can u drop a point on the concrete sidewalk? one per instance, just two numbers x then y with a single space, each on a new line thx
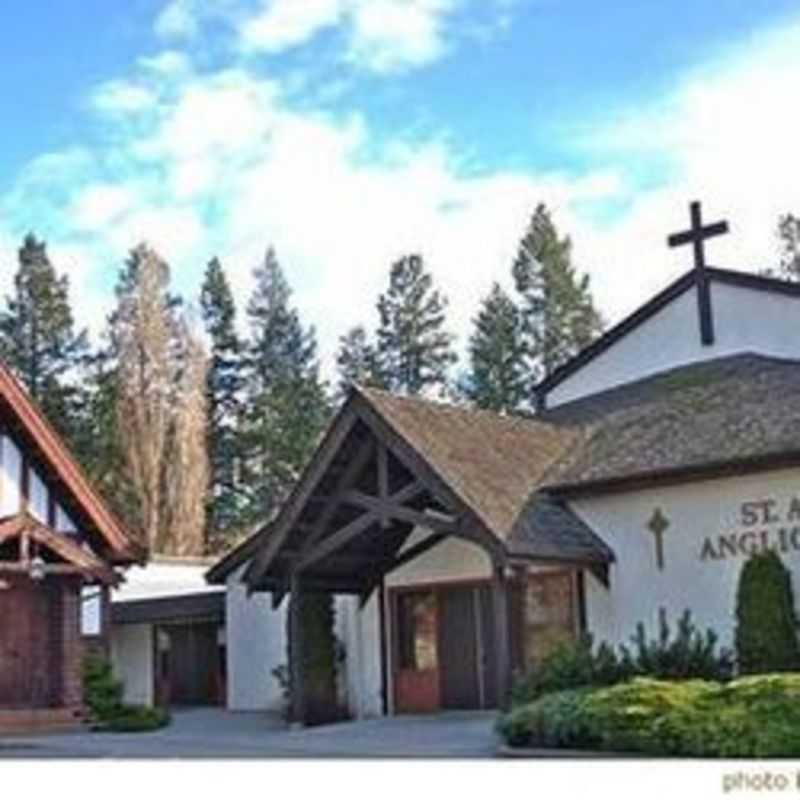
215 733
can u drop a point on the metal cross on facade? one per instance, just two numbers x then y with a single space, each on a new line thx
696 236
658 524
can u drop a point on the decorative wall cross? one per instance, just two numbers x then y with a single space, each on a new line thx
696 236
658 524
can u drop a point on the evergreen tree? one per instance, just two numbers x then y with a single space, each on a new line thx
357 361
414 352
766 621
789 239
558 311
223 393
286 406
498 375
39 340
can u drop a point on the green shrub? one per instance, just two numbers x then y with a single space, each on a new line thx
766 623
687 654
690 654
135 719
102 694
753 717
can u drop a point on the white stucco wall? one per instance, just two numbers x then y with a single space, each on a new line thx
132 661
706 586
671 338
256 644
452 559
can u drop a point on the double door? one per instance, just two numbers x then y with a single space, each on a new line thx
443 650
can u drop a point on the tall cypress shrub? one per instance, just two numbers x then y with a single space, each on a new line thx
766 621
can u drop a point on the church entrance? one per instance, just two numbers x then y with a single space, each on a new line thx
442 637
188 665
30 652
442 651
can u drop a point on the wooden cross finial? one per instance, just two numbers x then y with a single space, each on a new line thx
697 234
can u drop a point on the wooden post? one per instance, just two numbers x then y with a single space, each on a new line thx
502 642
296 683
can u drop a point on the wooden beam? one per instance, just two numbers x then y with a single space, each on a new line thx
49 569
296 657
315 470
417 550
394 510
383 481
337 540
349 474
502 645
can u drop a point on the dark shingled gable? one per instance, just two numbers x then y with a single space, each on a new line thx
724 413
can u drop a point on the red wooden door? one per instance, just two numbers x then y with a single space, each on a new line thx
416 674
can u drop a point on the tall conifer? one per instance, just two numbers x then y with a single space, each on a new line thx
414 350
40 342
557 306
286 406
498 366
224 404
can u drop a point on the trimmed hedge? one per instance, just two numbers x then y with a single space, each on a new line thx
766 622
752 717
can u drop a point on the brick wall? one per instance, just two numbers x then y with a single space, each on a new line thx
71 644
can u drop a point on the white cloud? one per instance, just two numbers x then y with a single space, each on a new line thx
286 23
382 36
221 163
177 20
122 97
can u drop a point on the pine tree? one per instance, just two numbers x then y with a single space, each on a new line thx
223 398
414 352
357 361
789 240
558 311
39 340
498 376
766 621
286 406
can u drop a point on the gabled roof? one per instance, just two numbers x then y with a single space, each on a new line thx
25 527
685 282
734 413
492 462
27 415
238 555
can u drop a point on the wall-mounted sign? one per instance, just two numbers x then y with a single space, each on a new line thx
767 524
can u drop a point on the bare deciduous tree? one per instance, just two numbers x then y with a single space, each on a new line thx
161 409
188 470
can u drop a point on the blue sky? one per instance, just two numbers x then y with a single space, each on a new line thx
346 132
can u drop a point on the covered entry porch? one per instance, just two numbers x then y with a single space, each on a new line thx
395 478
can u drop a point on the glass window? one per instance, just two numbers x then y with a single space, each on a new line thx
416 630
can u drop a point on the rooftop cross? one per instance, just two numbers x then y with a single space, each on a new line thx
697 235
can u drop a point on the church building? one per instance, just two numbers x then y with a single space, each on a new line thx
59 546
463 545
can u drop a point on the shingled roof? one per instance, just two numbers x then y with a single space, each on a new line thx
517 473
717 415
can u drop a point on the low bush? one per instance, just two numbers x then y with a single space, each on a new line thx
686 654
102 694
753 717
135 719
